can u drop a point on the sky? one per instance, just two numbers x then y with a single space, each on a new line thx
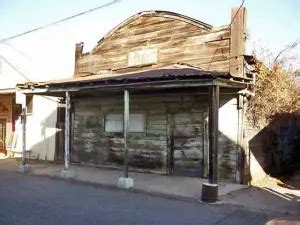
272 24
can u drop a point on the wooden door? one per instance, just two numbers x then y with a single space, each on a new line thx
3 135
187 144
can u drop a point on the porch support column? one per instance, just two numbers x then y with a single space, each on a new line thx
210 189
24 167
66 172
126 182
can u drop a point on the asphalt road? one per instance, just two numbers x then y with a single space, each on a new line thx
29 200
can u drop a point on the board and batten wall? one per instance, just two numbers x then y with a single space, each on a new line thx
150 149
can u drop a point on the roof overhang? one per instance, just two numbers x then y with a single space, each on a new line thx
7 91
163 78
150 85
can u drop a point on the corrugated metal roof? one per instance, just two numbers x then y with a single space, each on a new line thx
167 73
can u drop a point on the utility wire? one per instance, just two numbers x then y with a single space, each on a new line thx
59 21
241 5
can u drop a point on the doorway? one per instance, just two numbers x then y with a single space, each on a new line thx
187 144
3 135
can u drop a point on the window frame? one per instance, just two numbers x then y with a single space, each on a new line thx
122 130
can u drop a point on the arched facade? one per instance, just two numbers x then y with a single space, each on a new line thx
157 39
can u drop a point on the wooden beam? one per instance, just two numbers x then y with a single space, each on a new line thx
238 39
67 131
165 84
78 55
126 127
24 135
213 120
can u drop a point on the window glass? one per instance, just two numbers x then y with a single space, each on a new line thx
114 123
136 123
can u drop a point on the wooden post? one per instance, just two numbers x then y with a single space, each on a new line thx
23 135
126 182
237 43
126 126
78 54
67 131
169 169
213 121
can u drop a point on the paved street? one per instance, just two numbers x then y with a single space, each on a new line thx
28 200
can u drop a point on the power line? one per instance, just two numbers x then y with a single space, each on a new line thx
241 5
60 21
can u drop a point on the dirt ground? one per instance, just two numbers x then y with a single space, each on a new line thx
271 194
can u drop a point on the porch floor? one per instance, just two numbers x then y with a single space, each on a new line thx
172 186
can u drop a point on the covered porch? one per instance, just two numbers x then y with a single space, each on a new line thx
192 81
151 183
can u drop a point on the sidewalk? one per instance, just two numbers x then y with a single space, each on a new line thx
172 186
277 199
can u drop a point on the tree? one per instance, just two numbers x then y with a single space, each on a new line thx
275 100
275 92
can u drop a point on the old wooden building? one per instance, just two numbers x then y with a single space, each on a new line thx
179 79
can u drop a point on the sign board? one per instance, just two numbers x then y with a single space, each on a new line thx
142 57
20 98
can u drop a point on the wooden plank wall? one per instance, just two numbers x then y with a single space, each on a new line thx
148 150
177 41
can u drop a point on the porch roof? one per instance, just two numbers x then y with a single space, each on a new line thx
175 76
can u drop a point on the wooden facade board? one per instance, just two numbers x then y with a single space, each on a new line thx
176 41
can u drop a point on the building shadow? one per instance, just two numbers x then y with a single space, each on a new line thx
276 147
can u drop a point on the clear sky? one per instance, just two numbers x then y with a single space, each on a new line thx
271 23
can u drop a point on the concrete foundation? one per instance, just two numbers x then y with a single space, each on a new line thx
66 174
125 182
24 168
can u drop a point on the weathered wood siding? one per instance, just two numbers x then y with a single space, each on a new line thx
150 149
188 143
176 41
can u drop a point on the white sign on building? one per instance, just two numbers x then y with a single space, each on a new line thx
142 57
